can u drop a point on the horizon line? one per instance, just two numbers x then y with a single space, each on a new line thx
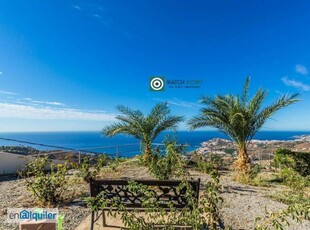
182 130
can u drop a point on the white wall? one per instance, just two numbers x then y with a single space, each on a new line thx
10 162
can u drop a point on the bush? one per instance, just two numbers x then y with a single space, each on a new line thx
116 162
86 170
280 220
298 186
298 161
102 160
209 163
90 167
294 180
294 170
46 186
204 166
164 167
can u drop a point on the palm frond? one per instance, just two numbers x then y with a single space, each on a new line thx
120 128
244 97
167 123
237 116
257 101
267 112
144 128
160 110
198 122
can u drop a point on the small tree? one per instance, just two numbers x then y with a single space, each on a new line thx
144 128
239 118
164 167
48 187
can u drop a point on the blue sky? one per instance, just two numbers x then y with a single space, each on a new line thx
65 65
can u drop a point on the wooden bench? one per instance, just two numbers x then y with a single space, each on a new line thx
165 192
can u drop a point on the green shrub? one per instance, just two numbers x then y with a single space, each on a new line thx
211 200
297 184
115 163
281 219
289 197
294 170
299 161
102 160
294 180
171 164
230 151
86 170
47 187
204 165
209 163
255 170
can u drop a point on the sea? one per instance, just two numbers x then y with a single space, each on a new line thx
121 145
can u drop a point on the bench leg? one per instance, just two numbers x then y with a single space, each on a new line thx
92 220
104 224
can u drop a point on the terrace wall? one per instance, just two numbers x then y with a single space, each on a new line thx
10 162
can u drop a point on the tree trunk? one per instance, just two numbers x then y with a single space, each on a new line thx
147 152
243 163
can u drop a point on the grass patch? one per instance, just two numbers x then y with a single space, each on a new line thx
289 197
256 177
248 180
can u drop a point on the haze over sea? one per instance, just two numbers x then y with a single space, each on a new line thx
92 140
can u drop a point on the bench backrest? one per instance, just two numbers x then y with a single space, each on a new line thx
165 191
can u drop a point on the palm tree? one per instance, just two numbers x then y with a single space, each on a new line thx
239 117
144 128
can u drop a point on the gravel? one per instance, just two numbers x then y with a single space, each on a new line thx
242 204
14 194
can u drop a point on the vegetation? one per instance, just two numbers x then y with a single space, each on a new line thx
102 160
198 215
143 127
91 167
239 117
294 173
294 169
23 150
209 163
298 161
86 170
163 167
251 177
47 187
281 219
115 163
294 180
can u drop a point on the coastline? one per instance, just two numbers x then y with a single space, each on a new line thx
85 140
